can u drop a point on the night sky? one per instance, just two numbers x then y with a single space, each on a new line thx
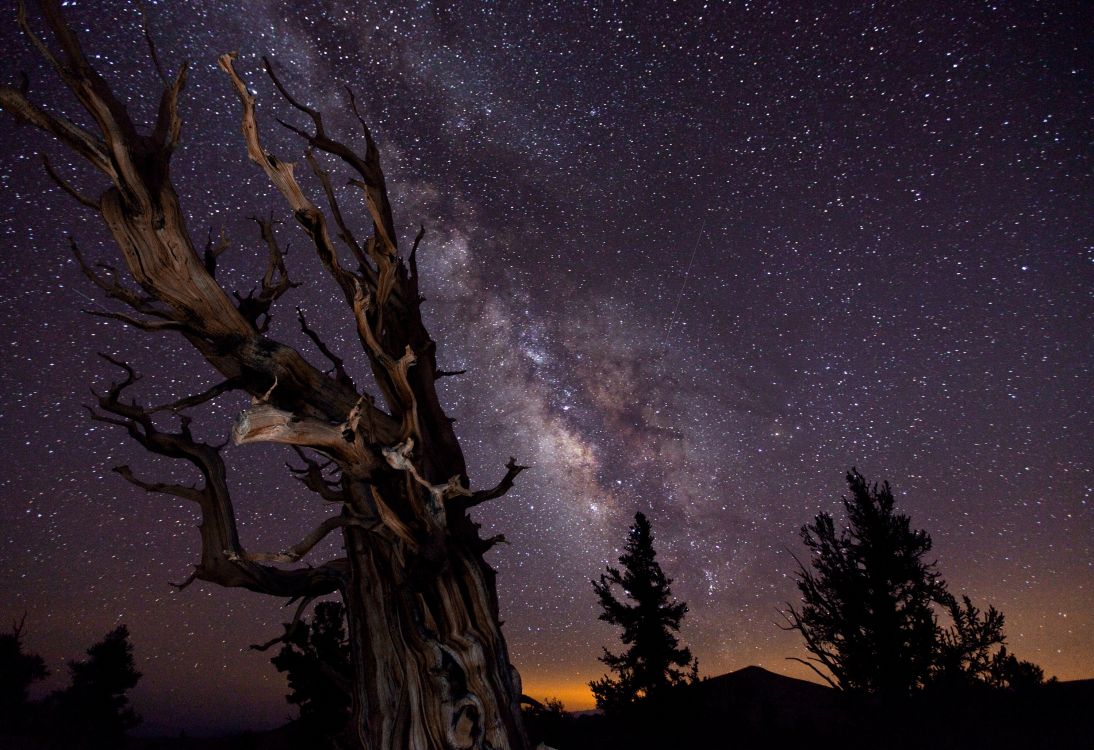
698 260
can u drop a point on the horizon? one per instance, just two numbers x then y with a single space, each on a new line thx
696 262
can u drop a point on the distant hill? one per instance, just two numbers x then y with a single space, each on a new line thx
760 695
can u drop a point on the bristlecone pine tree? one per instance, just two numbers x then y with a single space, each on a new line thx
430 668
654 659
867 612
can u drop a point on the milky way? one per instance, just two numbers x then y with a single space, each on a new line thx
698 260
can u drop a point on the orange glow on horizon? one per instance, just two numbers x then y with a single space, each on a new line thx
575 696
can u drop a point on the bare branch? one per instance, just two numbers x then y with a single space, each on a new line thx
812 666
279 172
114 288
398 457
492 542
266 423
221 557
344 232
398 394
290 627
438 374
186 582
178 490
154 326
281 175
336 361
168 125
208 394
391 374
312 478
43 49
414 254
368 168
214 251
316 117
304 546
263 422
80 197
275 282
151 45
512 469
73 136
131 376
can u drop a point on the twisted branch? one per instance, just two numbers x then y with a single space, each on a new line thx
512 469
304 546
223 560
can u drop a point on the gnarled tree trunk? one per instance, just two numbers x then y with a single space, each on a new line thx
430 664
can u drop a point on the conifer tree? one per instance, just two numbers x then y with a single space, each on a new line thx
869 603
867 613
650 620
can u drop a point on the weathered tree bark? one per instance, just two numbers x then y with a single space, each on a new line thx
431 668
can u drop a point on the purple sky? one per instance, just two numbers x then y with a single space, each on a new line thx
698 261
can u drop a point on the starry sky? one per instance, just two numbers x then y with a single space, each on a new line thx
697 258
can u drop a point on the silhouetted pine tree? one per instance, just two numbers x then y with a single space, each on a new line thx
94 710
654 659
868 609
316 659
18 671
867 603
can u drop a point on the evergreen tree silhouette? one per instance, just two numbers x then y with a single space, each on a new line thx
654 659
18 671
317 662
94 710
869 603
867 612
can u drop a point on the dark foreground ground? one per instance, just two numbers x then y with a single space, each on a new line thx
753 708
